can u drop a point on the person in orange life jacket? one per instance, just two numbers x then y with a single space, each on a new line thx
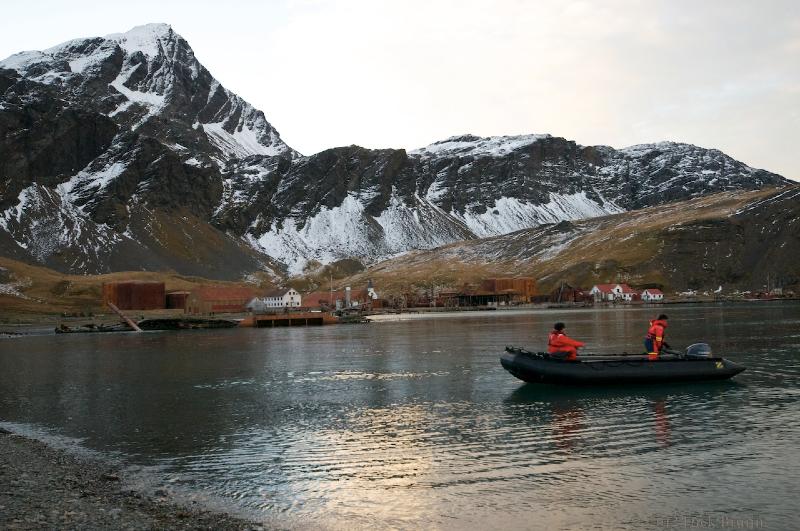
654 341
559 343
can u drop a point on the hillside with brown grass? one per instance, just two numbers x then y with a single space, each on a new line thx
730 239
27 290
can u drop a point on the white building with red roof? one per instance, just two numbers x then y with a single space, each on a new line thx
652 295
612 292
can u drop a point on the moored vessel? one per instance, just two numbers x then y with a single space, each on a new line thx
696 364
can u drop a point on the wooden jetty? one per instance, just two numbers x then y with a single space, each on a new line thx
272 320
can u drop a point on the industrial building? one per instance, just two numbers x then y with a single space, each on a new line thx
212 300
492 292
342 299
176 300
135 294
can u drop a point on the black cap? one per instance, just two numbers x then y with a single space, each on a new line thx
662 316
558 326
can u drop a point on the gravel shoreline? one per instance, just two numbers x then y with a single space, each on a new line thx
46 488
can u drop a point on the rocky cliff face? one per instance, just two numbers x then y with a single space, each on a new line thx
123 152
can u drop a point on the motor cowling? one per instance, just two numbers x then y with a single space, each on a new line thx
699 350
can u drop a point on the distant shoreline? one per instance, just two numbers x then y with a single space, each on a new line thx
430 313
44 324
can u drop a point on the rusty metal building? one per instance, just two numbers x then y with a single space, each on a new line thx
135 294
218 300
518 289
491 292
176 300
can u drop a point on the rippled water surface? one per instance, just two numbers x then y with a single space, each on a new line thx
415 423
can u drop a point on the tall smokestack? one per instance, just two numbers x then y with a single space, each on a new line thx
347 296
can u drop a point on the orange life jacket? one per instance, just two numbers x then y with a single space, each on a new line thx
558 341
656 333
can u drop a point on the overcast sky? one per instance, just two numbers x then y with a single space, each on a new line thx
721 74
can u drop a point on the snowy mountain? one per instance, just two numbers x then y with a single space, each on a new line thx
736 239
123 152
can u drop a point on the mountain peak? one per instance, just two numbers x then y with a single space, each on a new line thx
144 38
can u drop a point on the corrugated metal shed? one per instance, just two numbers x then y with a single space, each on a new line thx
218 300
521 289
135 294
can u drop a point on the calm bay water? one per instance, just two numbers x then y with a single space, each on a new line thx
415 424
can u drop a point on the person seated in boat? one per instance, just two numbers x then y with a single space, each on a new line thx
654 341
560 344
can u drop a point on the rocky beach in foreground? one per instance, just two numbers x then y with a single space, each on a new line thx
47 488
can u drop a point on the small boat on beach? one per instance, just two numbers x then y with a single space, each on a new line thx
696 364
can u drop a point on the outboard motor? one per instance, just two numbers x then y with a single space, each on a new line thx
699 350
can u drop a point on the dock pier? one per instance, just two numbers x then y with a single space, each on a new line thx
272 320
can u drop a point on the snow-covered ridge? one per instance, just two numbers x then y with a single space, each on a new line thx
146 39
23 60
509 214
469 145
347 231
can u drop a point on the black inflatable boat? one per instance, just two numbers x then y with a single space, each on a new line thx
696 364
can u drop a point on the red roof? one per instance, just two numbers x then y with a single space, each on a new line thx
654 291
607 288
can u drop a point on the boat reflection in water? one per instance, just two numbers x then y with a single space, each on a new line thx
594 421
662 422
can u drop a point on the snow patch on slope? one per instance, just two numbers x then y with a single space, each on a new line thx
328 236
93 178
348 231
23 60
146 39
421 225
509 214
243 142
46 221
468 145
